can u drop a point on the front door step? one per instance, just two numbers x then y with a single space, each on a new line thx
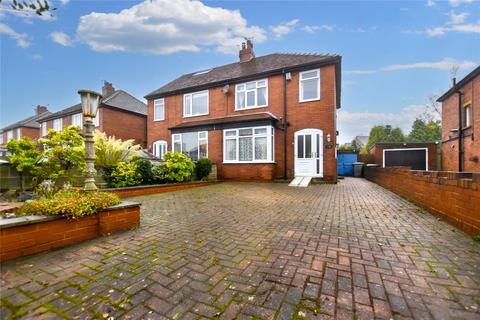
300 182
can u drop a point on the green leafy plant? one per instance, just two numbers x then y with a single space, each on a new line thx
203 167
70 203
24 157
179 167
46 189
144 168
476 238
126 174
158 172
109 151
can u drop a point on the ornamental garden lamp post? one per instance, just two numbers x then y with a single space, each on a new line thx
90 102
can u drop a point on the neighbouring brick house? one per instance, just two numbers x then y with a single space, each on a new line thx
236 114
29 127
119 114
461 124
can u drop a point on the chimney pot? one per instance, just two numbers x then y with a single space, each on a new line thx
107 89
246 53
40 109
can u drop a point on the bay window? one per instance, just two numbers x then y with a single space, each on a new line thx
310 85
158 109
160 148
57 124
77 120
193 144
195 104
251 95
248 144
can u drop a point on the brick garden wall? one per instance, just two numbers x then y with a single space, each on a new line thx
51 233
144 190
445 194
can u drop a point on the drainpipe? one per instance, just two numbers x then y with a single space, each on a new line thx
284 125
460 131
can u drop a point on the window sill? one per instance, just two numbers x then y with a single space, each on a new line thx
249 162
467 127
157 120
196 115
309 100
248 108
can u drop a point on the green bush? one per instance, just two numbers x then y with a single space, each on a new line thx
144 168
179 167
126 174
70 203
203 167
158 172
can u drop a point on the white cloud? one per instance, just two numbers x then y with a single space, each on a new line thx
455 3
457 18
351 124
20 38
465 28
64 2
284 28
314 28
27 13
164 27
430 3
61 38
359 72
37 56
445 64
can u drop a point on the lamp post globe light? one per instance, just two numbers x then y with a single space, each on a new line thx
90 102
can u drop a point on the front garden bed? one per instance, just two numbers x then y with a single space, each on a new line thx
27 235
157 188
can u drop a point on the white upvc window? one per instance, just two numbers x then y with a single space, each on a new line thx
96 120
58 124
309 86
252 94
43 129
160 147
77 120
195 104
253 144
468 116
1 138
19 133
159 109
193 144
9 135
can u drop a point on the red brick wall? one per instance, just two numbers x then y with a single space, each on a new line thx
250 171
143 190
32 133
19 241
316 114
471 94
432 192
123 125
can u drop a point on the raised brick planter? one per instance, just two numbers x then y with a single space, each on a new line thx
158 188
451 195
23 236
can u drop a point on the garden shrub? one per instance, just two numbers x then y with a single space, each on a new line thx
109 151
203 167
144 168
70 203
179 167
158 172
126 174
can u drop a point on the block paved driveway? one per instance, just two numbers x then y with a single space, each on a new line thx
259 251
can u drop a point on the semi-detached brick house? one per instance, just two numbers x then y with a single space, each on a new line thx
260 118
461 125
29 127
119 114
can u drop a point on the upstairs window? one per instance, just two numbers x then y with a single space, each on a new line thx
251 95
310 85
43 128
19 133
9 135
57 124
195 104
77 120
96 120
160 148
193 144
158 109
467 116
1 137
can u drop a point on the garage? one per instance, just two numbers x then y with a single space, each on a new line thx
415 155
415 158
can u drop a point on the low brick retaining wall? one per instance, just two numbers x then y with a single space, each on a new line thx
23 236
446 194
158 188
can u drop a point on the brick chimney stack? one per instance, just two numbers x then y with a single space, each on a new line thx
246 53
107 89
40 109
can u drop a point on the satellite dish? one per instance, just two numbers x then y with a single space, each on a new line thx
225 88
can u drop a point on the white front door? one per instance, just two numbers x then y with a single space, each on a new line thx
309 153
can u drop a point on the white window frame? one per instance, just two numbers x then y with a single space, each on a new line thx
403 149
190 95
156 103
176 135
58 123
19 133
1 138
468 115
300 85
9 135
245 90
43 129
77 116
96 120
161 146
270 144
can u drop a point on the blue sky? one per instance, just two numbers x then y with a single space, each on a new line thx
395 53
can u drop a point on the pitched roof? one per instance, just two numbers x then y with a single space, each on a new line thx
30 122
460 84
118 99
273 63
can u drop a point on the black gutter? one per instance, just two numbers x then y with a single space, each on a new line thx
284 125
460 131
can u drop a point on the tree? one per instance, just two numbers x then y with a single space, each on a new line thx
346 147
24 156
423 131
384 134
40 7
63 151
